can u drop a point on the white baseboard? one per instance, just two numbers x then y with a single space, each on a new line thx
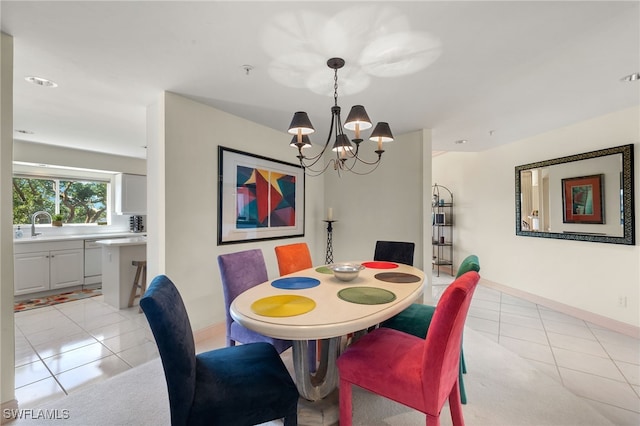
212 331
602 321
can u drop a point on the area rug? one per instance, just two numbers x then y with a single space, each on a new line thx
503 390
70 296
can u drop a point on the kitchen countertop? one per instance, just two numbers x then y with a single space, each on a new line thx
123 241
97 236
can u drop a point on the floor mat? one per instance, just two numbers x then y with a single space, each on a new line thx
28 304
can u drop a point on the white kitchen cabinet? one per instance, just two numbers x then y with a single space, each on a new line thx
131 194
31 272
66 268
48 266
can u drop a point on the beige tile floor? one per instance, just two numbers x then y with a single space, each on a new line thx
64 348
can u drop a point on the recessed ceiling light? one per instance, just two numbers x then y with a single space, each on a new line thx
24 132
41 81
460 141
631 77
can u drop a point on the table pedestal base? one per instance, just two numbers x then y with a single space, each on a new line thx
325 412
317 385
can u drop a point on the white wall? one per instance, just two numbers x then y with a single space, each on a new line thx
586 276
50 154
386 204
184 154
7 354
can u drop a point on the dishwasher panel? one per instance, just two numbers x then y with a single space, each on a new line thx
92 262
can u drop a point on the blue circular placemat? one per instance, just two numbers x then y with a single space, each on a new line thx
295 283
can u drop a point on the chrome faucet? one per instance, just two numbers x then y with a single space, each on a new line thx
33 222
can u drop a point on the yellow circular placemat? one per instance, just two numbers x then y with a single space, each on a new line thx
283 305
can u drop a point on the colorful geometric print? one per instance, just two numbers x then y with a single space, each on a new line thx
265 199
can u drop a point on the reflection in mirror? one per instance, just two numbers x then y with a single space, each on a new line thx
586 197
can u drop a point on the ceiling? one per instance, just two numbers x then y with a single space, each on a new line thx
486 72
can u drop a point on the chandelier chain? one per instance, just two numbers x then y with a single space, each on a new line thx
335 87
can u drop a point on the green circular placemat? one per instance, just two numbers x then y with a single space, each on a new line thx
324 270
397 277
366 295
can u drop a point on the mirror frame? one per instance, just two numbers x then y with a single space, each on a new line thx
628 237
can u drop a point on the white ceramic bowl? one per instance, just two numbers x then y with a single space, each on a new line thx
346 271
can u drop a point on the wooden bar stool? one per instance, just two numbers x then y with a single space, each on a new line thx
137 282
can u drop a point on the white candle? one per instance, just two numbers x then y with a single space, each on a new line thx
330 214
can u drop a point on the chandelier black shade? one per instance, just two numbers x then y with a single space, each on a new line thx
347 151
301 124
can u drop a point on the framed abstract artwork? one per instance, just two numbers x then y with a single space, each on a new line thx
582 199
259 198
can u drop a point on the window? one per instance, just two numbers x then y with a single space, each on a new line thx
77 200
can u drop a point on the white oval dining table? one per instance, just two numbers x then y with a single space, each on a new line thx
329 320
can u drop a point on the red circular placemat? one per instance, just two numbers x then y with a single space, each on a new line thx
380 265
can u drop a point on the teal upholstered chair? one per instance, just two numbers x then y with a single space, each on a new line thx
238 385
416 318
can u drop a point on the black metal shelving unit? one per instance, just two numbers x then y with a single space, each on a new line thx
442 223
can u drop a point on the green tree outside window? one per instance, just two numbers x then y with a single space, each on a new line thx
78 201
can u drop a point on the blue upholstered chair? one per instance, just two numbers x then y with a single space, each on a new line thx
416 318
239 272
394 251
240 385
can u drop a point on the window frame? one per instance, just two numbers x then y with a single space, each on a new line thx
57 174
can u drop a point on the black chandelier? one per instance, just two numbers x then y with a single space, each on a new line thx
346 155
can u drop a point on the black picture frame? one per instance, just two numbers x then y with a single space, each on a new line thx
259 198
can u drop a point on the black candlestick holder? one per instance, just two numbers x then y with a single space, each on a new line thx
329 252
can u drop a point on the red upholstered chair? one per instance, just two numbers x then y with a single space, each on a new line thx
293 258
417 317
419 373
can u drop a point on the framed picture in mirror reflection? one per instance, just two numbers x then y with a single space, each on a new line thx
583 199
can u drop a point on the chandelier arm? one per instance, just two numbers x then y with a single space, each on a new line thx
351 169
370 163
317 158
313 173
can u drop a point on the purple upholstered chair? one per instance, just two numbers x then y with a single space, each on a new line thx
240 271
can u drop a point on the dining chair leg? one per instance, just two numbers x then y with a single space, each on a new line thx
455 406
433 420
346 406
463 392
292 418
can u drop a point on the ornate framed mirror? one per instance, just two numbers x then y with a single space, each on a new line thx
585 197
